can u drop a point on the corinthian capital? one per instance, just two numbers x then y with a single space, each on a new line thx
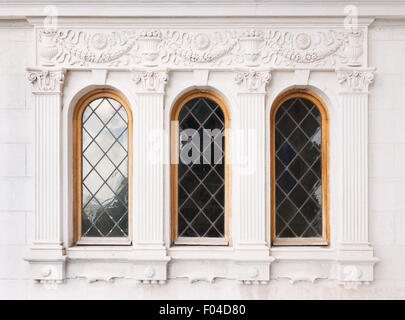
355 79
46 81
252 81
150 81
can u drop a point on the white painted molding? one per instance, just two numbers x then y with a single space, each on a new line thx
46 254
201 8
134 47
355 253
46 81
252 81
149 262
99 76
249 212
355 79
300 277
150 81
201 77
237 62
302 76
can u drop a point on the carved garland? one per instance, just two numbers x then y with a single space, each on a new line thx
272 47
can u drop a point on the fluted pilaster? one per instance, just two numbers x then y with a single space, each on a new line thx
355 256
148 157
250 213
354 100
46 85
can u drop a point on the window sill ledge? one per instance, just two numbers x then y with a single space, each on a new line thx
207 262
295 253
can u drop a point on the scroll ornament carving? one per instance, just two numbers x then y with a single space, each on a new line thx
235 47
46 81
355 80
150 81
352 277
252 81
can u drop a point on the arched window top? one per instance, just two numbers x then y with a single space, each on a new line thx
199 172
299 136
195 94
102 148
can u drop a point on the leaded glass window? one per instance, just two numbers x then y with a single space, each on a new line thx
201 170
104 154
298 161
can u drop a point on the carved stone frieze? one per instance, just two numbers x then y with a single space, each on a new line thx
182 47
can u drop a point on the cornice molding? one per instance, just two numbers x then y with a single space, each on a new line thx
187 47
242 8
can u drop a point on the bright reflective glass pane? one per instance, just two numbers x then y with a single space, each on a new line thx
117 153
93 125
117 125
298 171
105 139
105 111
105 169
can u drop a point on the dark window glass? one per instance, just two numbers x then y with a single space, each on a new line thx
298 164
105 169
201 181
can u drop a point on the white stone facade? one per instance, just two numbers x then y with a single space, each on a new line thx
152 57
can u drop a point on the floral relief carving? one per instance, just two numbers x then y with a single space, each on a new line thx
150 80
222 47
186 48
46 80
76 47
355 80
252 81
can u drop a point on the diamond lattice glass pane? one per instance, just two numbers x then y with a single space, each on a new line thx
201 182
105 169
298 164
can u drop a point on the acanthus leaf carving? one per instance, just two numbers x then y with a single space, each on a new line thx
223 47
355 80
252 81
46 81
150 81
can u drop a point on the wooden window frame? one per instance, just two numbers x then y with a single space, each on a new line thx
77 168
320 104
174 156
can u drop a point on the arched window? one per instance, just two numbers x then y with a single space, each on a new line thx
102 172
199 170
299 169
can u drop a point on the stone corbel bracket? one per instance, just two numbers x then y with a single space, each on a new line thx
250 272
47 270
150 271
353 273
